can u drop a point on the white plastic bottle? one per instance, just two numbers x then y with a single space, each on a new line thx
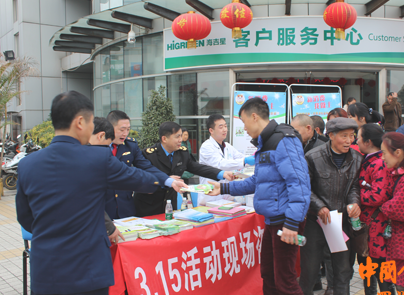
184 204
169 210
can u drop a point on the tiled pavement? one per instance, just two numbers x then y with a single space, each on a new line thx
11 247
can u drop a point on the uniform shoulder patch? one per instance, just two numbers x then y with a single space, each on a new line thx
151 150
130 139
183 148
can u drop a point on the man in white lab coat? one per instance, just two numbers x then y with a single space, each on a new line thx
219 154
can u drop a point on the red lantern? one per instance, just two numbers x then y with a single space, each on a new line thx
359 82
372 83
191 27
342 81
340 16
259 80
275 80
236 16
291 80
327 81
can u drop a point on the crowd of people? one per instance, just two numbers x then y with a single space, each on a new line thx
95 173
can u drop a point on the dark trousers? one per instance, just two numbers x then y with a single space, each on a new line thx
103 291
328 268
375 279
278 262
311 256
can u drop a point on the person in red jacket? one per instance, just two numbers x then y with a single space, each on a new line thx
393 156
375 181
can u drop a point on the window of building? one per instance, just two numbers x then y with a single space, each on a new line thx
105 65
213 93
133 98
150 84
98 102
97 70
395 83
118 96
153 54
116 52
183 93
133 58
106 100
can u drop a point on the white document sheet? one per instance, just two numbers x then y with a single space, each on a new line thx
333 232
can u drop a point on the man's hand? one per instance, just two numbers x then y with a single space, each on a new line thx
228 175
289 236
175 177
178 184
216 188
355 211
114 237
324 214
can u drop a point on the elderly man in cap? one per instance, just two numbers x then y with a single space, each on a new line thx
334 171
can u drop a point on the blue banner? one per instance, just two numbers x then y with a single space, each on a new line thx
315 104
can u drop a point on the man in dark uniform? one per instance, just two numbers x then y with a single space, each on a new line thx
172 158
60 199
120 203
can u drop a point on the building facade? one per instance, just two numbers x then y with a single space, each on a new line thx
26 27
287 42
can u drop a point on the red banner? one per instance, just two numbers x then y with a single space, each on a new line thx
219 258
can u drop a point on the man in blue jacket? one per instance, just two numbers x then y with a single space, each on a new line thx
281 185
60 199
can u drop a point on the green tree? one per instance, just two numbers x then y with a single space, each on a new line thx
42 133
11 73
158 110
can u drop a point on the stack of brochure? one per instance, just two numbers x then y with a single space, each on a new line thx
232 212
195 217
183 225
222 202
127 233
167 229
218 218
142 231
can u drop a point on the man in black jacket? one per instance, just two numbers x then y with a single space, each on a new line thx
334 172
173 159
304 125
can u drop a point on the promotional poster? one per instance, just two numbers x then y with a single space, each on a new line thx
277 110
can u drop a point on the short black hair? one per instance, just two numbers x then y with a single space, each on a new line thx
103 125
351 99
66 106
210 123
318 122
116 115
255 105
390 94
168 128
372 132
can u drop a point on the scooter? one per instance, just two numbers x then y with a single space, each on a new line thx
9 169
